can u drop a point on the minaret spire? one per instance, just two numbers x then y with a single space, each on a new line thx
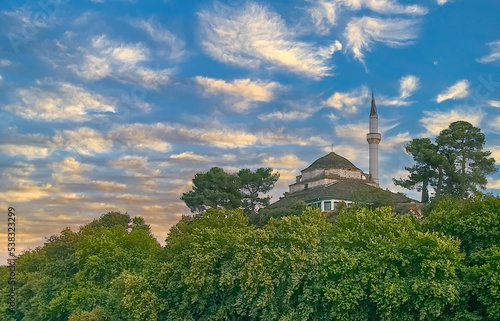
373 137
374 106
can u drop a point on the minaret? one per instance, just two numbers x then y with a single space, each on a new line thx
373 137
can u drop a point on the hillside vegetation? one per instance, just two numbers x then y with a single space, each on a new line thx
366 265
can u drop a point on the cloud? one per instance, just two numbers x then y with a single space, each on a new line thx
65 102
284 161
435 121
349 101
27 192
84 140
5 63
121 61
362 32
494 103
69 170
458 90
391 143
240 92
442 2
211 133
494 55
108 186
253 35
354 131
289 115
493 183
141 136
176 46
324 13
189 156
132 163
28 151
495 153
407 86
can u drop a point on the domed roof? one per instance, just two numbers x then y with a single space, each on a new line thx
331 160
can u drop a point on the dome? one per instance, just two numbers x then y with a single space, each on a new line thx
331 160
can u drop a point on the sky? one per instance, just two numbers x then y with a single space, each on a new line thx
115 105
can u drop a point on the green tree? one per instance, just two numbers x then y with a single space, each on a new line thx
425 155
214 188
455 165
379 266
462 144
372 198
204 257
476 223
70 276
253 184
217 188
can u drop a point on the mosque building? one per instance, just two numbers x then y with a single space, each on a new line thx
333 179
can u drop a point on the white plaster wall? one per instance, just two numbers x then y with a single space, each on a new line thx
346 173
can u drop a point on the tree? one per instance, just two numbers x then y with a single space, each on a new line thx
462 144
379 266
215 188
255 183
476 223
425 155
455 165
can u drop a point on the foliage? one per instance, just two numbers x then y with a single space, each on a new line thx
372 198
217 188
214 188
455 165
255 183
69 277
294 208
366 265
476 223
378 266
427 160
462 144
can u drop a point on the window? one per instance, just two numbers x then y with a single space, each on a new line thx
306 186
328 205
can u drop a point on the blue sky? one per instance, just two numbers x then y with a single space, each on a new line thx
115 105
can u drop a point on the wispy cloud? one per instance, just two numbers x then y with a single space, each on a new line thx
494 103
175 47
253 35
435 121
442 2
65 102
349 101
494 54
189 156
324 13
289 115
212 134
392 142
120 61
361 33
240 93
130 163
407 86
458 90
284 161
83 140
28 151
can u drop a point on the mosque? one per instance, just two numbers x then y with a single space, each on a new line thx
333 179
